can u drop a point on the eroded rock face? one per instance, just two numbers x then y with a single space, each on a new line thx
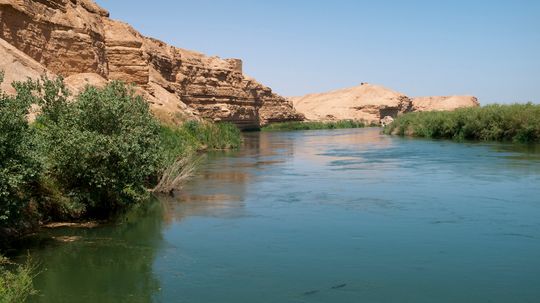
72 37
366 102
17 66
373 104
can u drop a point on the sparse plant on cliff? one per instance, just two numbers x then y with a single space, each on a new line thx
516 122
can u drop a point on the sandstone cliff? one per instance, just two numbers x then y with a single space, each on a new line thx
78 40
371 103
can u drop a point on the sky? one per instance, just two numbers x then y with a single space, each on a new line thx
489 49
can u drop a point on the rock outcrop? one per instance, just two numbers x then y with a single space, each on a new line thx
17 66
78 40
422 104
372 103
365 102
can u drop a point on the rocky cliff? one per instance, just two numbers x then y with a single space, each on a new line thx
78 40
371 103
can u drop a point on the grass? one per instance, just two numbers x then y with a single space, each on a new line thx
16 281
291 126
193 136
176 174
516 122
181 144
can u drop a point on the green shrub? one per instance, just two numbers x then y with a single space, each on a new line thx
516 122
16 282
291 126
19 167
93 154
102 148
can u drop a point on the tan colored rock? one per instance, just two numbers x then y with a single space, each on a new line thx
78 82
126 58
72 37
373 104
366 102
62 35
17 66
449 103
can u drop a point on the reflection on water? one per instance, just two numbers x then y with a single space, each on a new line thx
321 216
106 264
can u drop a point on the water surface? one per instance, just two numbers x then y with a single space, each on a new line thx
320 216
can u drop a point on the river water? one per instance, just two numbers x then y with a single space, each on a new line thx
319 216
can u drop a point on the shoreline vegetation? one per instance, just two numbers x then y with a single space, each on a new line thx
518 123
16 281
87 157
181 144
310 125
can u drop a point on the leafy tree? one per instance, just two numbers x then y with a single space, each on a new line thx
19 167
101 148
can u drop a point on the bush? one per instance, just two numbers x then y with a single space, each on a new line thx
290 126
516 122
91 155
16 283
103 148
19 167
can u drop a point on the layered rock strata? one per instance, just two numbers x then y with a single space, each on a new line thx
78 40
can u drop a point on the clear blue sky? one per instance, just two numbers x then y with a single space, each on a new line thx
490 49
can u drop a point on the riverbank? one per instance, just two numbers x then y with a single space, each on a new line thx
516 123
91 156
86 158
311 125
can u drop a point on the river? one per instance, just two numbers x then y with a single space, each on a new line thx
319 216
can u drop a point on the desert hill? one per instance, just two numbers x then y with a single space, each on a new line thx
371 103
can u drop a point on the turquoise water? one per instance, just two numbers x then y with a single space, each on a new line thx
320 216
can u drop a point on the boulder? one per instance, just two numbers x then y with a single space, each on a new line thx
386 121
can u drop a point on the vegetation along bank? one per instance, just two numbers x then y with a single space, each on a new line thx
85 157
515 122
291 126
